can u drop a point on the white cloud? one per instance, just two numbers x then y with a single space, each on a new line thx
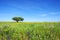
43 15
54 13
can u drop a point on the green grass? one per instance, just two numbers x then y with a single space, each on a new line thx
30 31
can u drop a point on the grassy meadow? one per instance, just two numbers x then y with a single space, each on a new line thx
30 31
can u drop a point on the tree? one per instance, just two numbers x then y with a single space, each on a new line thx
17 19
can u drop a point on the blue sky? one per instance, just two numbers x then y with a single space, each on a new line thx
30 10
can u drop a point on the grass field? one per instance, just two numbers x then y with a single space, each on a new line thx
30 31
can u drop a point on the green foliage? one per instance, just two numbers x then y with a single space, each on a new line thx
18 19
29 31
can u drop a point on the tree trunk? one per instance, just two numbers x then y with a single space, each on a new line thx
16 21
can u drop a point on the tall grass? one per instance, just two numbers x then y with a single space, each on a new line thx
30 31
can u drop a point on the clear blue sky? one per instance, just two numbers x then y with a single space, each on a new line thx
30 10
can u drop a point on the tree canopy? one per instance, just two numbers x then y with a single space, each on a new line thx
17 19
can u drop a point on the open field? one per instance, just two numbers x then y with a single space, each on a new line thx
30 31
